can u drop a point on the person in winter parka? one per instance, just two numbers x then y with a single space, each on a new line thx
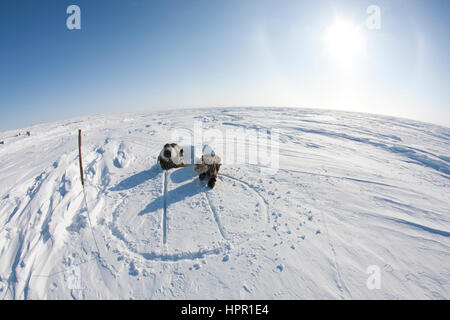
209 166
171 156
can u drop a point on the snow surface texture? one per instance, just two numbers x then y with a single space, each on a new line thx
352 191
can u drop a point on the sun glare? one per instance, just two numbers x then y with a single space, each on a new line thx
344 42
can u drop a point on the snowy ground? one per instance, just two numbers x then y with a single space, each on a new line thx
352 191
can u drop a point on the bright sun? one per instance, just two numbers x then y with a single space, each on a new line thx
344 42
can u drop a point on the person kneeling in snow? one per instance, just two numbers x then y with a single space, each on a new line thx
209 166
171 156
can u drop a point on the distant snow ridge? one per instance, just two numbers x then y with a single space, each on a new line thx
352 193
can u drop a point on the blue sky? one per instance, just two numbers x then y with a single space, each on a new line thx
154 55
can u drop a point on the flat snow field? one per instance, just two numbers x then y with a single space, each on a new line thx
357 201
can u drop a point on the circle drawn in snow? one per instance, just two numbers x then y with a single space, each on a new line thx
199 221
240 210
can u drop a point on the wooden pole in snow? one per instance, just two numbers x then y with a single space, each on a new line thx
84 191
81 161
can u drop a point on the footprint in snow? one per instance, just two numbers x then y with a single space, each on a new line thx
133 271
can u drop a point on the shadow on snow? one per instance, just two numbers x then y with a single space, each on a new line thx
176 176
137 179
